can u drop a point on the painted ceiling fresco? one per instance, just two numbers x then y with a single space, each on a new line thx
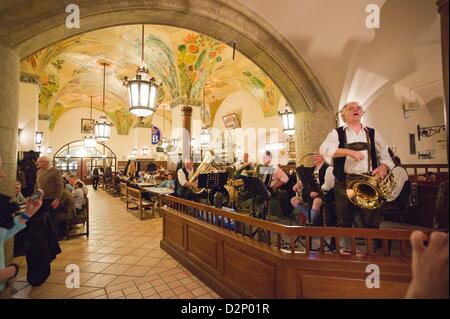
184 61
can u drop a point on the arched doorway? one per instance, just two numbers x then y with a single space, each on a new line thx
74 158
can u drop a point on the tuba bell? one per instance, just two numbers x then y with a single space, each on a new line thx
205 167
370 191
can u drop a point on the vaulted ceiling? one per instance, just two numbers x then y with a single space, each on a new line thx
184 61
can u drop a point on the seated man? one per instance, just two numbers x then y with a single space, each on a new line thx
73 179
321 192
183 187
168 183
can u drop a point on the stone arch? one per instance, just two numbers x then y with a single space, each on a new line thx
29 26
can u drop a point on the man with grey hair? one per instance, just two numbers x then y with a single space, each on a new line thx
354 149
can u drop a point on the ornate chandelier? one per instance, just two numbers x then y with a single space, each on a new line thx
142 90
101 127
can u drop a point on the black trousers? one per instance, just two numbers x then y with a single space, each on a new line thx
95 180
346 211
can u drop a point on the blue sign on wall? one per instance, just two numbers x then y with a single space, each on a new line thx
156 135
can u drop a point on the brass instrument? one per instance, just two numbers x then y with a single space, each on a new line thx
370 191
204 168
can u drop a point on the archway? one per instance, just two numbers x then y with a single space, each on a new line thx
74 158
28 26
220 19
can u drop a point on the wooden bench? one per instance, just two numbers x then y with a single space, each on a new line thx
78 219
146 209
123 191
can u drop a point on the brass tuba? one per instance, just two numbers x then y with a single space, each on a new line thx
370 191
204 168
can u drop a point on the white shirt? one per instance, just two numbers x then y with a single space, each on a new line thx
78 198
328 183
331 144
400 177
182 178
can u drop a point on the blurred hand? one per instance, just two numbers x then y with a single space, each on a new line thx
55 203
380 171
429 266
356 155
32 206
313 194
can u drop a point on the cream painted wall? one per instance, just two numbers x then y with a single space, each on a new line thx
262 129
28 115
386 115
67 129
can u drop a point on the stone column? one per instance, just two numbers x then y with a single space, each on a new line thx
443 10
311 130
186 114
9 107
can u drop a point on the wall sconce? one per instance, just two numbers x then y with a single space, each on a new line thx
49 150
39 137
429 130
134 151
288 120
145 151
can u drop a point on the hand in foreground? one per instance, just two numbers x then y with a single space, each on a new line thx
429 266
32 206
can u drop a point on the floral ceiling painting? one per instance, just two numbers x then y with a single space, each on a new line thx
190 66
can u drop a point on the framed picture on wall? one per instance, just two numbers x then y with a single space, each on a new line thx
231 121
87 125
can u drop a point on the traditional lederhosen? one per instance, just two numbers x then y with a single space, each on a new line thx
328 196
344 208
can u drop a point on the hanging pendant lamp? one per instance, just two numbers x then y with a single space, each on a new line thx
89 140
101 127
142 90
164 141
205 135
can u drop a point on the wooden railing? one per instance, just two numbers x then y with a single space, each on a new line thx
284 238
425 168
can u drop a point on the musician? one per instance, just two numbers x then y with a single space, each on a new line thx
183 187
399 198
354 149
243 168
320 194
272 177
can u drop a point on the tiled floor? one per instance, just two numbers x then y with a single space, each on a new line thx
121 259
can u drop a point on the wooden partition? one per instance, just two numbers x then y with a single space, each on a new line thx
414 170
244 257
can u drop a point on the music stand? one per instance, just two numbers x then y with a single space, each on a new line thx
212 181
257 187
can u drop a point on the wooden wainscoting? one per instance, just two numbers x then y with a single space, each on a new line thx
237 265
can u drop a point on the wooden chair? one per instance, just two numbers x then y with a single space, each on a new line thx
123 191
78 219
146 209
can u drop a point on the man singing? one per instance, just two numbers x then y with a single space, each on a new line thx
354 149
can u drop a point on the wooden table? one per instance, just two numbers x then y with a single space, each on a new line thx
159 192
